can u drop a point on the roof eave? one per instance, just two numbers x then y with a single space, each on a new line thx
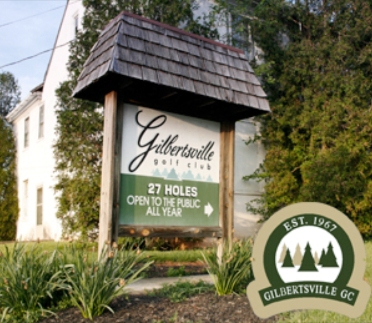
23 106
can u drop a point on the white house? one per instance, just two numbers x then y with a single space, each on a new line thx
34 121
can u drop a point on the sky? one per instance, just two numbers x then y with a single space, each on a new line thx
27 28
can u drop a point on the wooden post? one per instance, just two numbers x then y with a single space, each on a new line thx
108 171
117 163
227 182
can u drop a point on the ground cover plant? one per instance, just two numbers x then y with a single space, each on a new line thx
29 282
176 272
93 285
232 271
36 282
181 290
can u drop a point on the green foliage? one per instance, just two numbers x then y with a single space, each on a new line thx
130 242
317 72
181 290
9 98
9 93
176 272
36 282
174 255
232 271
92 285
28 284
78 149
8 183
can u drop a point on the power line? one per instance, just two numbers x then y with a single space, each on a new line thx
37 14
28 17
38 54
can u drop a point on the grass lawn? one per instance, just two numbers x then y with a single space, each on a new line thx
91 248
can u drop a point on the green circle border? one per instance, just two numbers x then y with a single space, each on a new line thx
340 235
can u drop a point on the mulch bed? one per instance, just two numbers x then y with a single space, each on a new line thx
203 308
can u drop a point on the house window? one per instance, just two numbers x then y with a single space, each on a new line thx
39 206
76 24
25 198
27 132
41 122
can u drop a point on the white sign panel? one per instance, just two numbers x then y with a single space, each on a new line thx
169 169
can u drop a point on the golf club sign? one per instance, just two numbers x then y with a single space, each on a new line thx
309 256
169 170
171 100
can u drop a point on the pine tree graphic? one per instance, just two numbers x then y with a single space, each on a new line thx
322 256
316 258
297 257
287 260
188 175
330 258
308 263
282 254
172 174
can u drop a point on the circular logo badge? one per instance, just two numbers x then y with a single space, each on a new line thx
308 256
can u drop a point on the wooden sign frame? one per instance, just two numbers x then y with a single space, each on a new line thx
109 228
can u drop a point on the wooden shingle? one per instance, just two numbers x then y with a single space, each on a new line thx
166 68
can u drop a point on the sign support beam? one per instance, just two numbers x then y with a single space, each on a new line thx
106 232
227 180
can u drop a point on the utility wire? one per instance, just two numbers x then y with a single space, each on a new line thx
38 54
45 51
36 14
28 17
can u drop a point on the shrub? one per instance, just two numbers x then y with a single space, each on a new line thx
28 283
92 285
232 271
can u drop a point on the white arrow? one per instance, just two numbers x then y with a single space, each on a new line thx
208 209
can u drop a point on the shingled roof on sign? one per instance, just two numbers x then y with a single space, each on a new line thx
159 66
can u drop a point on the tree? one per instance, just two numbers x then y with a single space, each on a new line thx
330 259
172 174
322 257
287 260
297 257
317 69
282 254
9 93
9 97
316 258
8 183
308 262
80 123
